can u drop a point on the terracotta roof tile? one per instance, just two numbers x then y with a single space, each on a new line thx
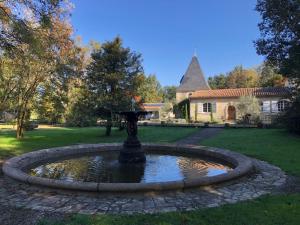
238 92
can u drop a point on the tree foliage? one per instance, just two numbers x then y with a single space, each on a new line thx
169 94
279 42
217 82
265 75
79 110
280 35
35 37
21 19
242 78
248 108
237 78
112 79
150 89
269 77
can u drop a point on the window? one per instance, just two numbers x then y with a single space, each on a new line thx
282 105
207 107
266 106
274 106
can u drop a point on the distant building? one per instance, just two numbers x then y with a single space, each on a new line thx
219 104
158 110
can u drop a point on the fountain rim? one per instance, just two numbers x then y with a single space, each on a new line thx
16 166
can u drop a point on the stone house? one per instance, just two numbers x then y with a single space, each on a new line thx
158 111
220 104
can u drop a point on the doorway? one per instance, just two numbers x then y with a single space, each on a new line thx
231 113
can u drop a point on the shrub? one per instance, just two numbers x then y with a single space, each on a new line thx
248 109
206 124
227 125
291 118
260 124
30 125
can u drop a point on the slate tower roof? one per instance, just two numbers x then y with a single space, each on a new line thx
193 79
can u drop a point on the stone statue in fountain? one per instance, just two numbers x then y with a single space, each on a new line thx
132 151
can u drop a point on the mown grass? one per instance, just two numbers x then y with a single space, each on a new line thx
268 210
273 145
46 138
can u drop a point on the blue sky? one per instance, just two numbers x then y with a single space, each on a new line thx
167 32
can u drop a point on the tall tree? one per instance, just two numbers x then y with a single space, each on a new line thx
111 79
150 89
279 42
217 82
268 77
8 83
79 109
20 19
280 35
169 94
56 96
242 78
35 35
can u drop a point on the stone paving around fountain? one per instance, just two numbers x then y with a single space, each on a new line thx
266 179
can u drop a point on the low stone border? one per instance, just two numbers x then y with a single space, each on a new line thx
266 179
15 167
195 125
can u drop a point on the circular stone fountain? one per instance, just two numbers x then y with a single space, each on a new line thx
129 167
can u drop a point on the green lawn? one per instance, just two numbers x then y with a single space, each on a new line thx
275 146
53 137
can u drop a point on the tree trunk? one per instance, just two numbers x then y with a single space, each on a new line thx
121 125
20 124
108 126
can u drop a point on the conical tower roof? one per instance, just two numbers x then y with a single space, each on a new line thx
193 79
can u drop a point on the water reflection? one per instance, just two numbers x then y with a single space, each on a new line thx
106 168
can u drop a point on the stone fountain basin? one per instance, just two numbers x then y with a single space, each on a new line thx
15 167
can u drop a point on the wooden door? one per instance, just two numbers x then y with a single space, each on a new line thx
231 112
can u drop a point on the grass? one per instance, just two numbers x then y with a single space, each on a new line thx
273 145
269 210
53 137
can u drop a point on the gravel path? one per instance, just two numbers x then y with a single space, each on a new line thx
199 136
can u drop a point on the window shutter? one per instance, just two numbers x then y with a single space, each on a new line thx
274 106
266 106
200 107
214 107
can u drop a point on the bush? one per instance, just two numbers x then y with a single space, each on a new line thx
260 124
248 109
206 124
227 125
291 118
30 125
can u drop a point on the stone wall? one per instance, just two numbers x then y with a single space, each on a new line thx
180 96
